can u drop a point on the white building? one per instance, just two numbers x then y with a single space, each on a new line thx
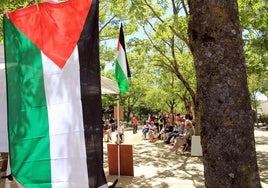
263 108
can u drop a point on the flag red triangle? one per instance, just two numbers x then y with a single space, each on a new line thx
54 28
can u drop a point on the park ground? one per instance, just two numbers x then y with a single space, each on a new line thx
156 166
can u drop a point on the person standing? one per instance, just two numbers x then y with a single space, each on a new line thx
189 115
135 124
161 122
107 130
120 132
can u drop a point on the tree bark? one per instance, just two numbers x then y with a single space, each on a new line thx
223 100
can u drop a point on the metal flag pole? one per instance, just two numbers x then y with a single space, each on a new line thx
118 136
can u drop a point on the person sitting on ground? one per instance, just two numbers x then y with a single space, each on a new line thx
178 130
153 133
188 136
166 130
156 124
184 139
145 129
107 130
120 130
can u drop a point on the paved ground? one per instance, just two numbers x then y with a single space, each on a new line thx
156 166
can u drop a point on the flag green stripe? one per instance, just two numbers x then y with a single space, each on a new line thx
27 111
121 78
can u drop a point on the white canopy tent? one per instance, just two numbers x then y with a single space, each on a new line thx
3 109
109 86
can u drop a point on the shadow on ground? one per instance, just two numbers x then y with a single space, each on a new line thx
261 140
156 166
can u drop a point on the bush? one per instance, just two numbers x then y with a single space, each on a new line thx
264 119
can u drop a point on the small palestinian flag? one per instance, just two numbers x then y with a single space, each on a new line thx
122 72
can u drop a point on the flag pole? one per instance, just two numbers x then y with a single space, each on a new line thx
118 136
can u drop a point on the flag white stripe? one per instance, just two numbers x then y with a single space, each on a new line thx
67 143
121 58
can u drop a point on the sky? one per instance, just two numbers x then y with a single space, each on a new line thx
262 97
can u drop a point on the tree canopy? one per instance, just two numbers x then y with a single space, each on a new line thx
158 49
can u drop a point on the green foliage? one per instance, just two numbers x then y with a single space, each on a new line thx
9 6
264 119
161 63
254 16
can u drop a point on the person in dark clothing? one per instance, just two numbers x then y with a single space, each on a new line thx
179 129
189 115
166 130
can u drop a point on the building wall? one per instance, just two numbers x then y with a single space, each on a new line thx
263 108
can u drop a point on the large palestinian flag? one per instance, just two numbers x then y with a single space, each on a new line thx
53 95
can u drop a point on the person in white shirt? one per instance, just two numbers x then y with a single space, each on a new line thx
120 130
145 129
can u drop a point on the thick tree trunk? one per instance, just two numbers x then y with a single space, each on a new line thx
227 132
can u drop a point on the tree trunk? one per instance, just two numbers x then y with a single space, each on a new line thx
223 101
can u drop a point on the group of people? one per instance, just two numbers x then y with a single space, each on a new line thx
109 127
151 129
177 131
